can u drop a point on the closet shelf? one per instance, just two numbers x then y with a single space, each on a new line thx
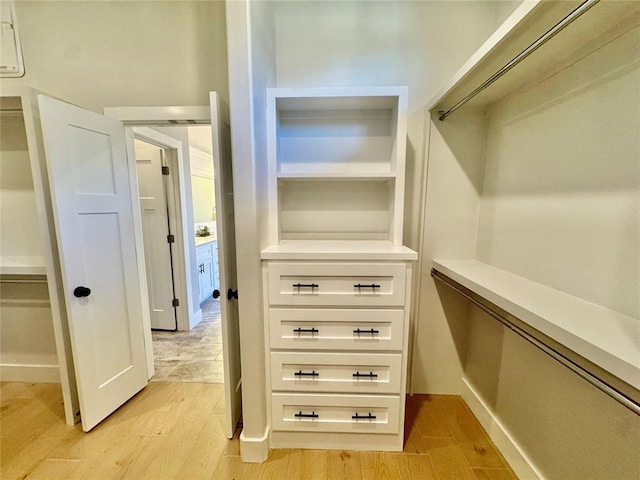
602 23
337 250
604 337
22 265
313 175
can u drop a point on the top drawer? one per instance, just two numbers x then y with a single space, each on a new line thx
354 284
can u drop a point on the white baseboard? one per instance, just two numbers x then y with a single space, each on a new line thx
518 460
10 372
254 449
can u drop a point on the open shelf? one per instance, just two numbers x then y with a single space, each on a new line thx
602 336
336 163
337 250
602 23
21 249
335 209
355 175
22 265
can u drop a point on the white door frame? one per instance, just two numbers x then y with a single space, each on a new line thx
137 121
177 213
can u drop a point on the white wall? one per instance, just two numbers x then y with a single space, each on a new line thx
106 53
27 344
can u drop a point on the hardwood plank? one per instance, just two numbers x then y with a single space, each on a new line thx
380 466
165 411
413 442
278 464
448 460
307 465
233 447
229 468
196 442
480 453
420 467
464 425
171 431
430 414
50 470
344 465
493 474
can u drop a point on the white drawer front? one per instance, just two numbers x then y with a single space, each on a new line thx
335 413
327 372
337 284
336 329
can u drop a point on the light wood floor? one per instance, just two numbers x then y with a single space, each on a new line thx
175 431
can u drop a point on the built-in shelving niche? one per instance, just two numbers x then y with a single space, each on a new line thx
337 167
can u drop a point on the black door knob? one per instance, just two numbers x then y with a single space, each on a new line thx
232 294
81 292
216 293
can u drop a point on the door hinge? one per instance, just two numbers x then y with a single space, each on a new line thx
175 302
171 238
165 170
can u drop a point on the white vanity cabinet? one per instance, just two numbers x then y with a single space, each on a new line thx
207 267
337 280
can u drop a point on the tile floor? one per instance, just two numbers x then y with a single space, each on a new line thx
193 356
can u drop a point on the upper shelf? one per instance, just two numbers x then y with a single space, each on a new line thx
337 250
602 23
605 337
22 265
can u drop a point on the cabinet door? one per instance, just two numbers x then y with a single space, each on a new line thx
215 268
207 278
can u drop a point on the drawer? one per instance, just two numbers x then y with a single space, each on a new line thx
335 413
328 372
336 329
335 284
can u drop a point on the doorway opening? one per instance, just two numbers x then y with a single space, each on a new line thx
169 123
192 351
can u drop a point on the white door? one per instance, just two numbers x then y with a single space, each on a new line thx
225 226
155 230
93 211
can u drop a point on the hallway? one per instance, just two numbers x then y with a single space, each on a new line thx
193 356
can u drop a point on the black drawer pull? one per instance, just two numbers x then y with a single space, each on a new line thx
306 330
305 285
372 331
363 417
300 373
367 375
306 415
373 286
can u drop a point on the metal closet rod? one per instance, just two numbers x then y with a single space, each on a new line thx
575 368
548 35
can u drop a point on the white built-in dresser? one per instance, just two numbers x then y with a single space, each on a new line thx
337 279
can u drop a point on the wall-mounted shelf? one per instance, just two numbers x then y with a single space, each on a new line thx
602 336
364 175
22 266
337 250
603 22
